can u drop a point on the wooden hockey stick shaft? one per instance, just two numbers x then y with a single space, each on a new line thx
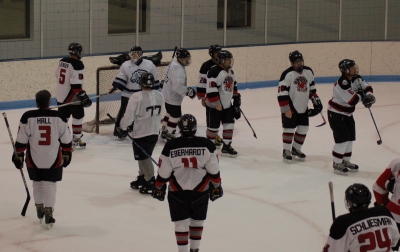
332 201
28 195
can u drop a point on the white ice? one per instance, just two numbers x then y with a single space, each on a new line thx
268 205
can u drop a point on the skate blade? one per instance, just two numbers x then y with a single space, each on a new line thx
287 161
49 226
228 155
41 220
300 159
78 148
352 170
340 172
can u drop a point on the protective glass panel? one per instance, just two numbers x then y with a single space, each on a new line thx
282 19
15 19
122 16
393 27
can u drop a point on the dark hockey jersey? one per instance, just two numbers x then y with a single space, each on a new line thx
202 81
70 75
221 87
371 230
188 163
43 134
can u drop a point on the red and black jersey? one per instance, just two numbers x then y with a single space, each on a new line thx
202 80
221 87
70 75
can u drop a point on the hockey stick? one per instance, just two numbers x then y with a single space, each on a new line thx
254 133
28 196
379 142
78 102
324 121
133 140
332 201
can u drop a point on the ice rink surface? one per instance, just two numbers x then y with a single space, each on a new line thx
268 205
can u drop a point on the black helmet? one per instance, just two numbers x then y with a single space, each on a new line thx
213 49
75 49
357 196
187 125
345 65
147 80
295 56
224 54
182 54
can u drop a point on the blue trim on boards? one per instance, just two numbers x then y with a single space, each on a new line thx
256 84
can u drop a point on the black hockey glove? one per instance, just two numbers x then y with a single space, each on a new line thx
317 104
121 133
191 93
67 157
236 112
215 192
237 102
85 101
18 162
312 112
159 193
368 100
390 185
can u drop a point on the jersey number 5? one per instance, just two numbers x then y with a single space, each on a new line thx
61 79
375 239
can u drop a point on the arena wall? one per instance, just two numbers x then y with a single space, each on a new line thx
255 66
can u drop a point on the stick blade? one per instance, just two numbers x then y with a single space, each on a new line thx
28 199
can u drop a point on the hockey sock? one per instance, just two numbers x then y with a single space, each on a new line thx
182 234
195 233
300 136
38 191
49 193
172 123
165 121
338 152
227 132
211 133
287 138
348 151
77 127
146 166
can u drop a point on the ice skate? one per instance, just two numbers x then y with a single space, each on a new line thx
148 186
340 169
48 216
218 142
297 153
167 136
228 151
350 166
138 183
287 156
194 250
40 212
77 143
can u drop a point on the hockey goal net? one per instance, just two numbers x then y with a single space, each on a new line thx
109 104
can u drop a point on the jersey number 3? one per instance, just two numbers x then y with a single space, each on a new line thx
46 135
375 239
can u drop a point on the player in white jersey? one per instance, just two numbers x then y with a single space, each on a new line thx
363 229
296 87
202 82
144 112
348 90
47 140
128 80
190 165
387 182
221 89
174 90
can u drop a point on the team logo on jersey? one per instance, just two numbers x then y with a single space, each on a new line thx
135 78
228 84
301 83
80 76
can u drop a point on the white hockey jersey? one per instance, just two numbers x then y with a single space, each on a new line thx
295 89
221 87
144 110
43 133
175 83
128 77
70 75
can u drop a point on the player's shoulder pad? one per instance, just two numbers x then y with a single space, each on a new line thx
214 71
206 66
41 113
76 64
344 83
283 75
308 68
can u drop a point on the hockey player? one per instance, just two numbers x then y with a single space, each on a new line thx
363 229
47 140
174 90
70 76
296 87
190 165
348 90
202 81
144 112
128 80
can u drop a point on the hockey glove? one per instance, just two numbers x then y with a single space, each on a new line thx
368 101
312 112
237 102
191 93
18 162
390 185
159 193
317 104
121 133
85 101
236 112
67 157
161 84
215 192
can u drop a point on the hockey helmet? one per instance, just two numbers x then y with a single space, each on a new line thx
147 80
357 196
183 56
345 65
187 125
295 56
213 49
75 49
223 55
136 52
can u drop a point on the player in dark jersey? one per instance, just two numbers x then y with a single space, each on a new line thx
190 165
296 87
70 76
363 229
348 90
46 138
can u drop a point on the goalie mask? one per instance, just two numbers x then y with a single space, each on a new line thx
183 57
147 80
297 60
346 66
135 52
187 125
75 49
357 196
225 58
